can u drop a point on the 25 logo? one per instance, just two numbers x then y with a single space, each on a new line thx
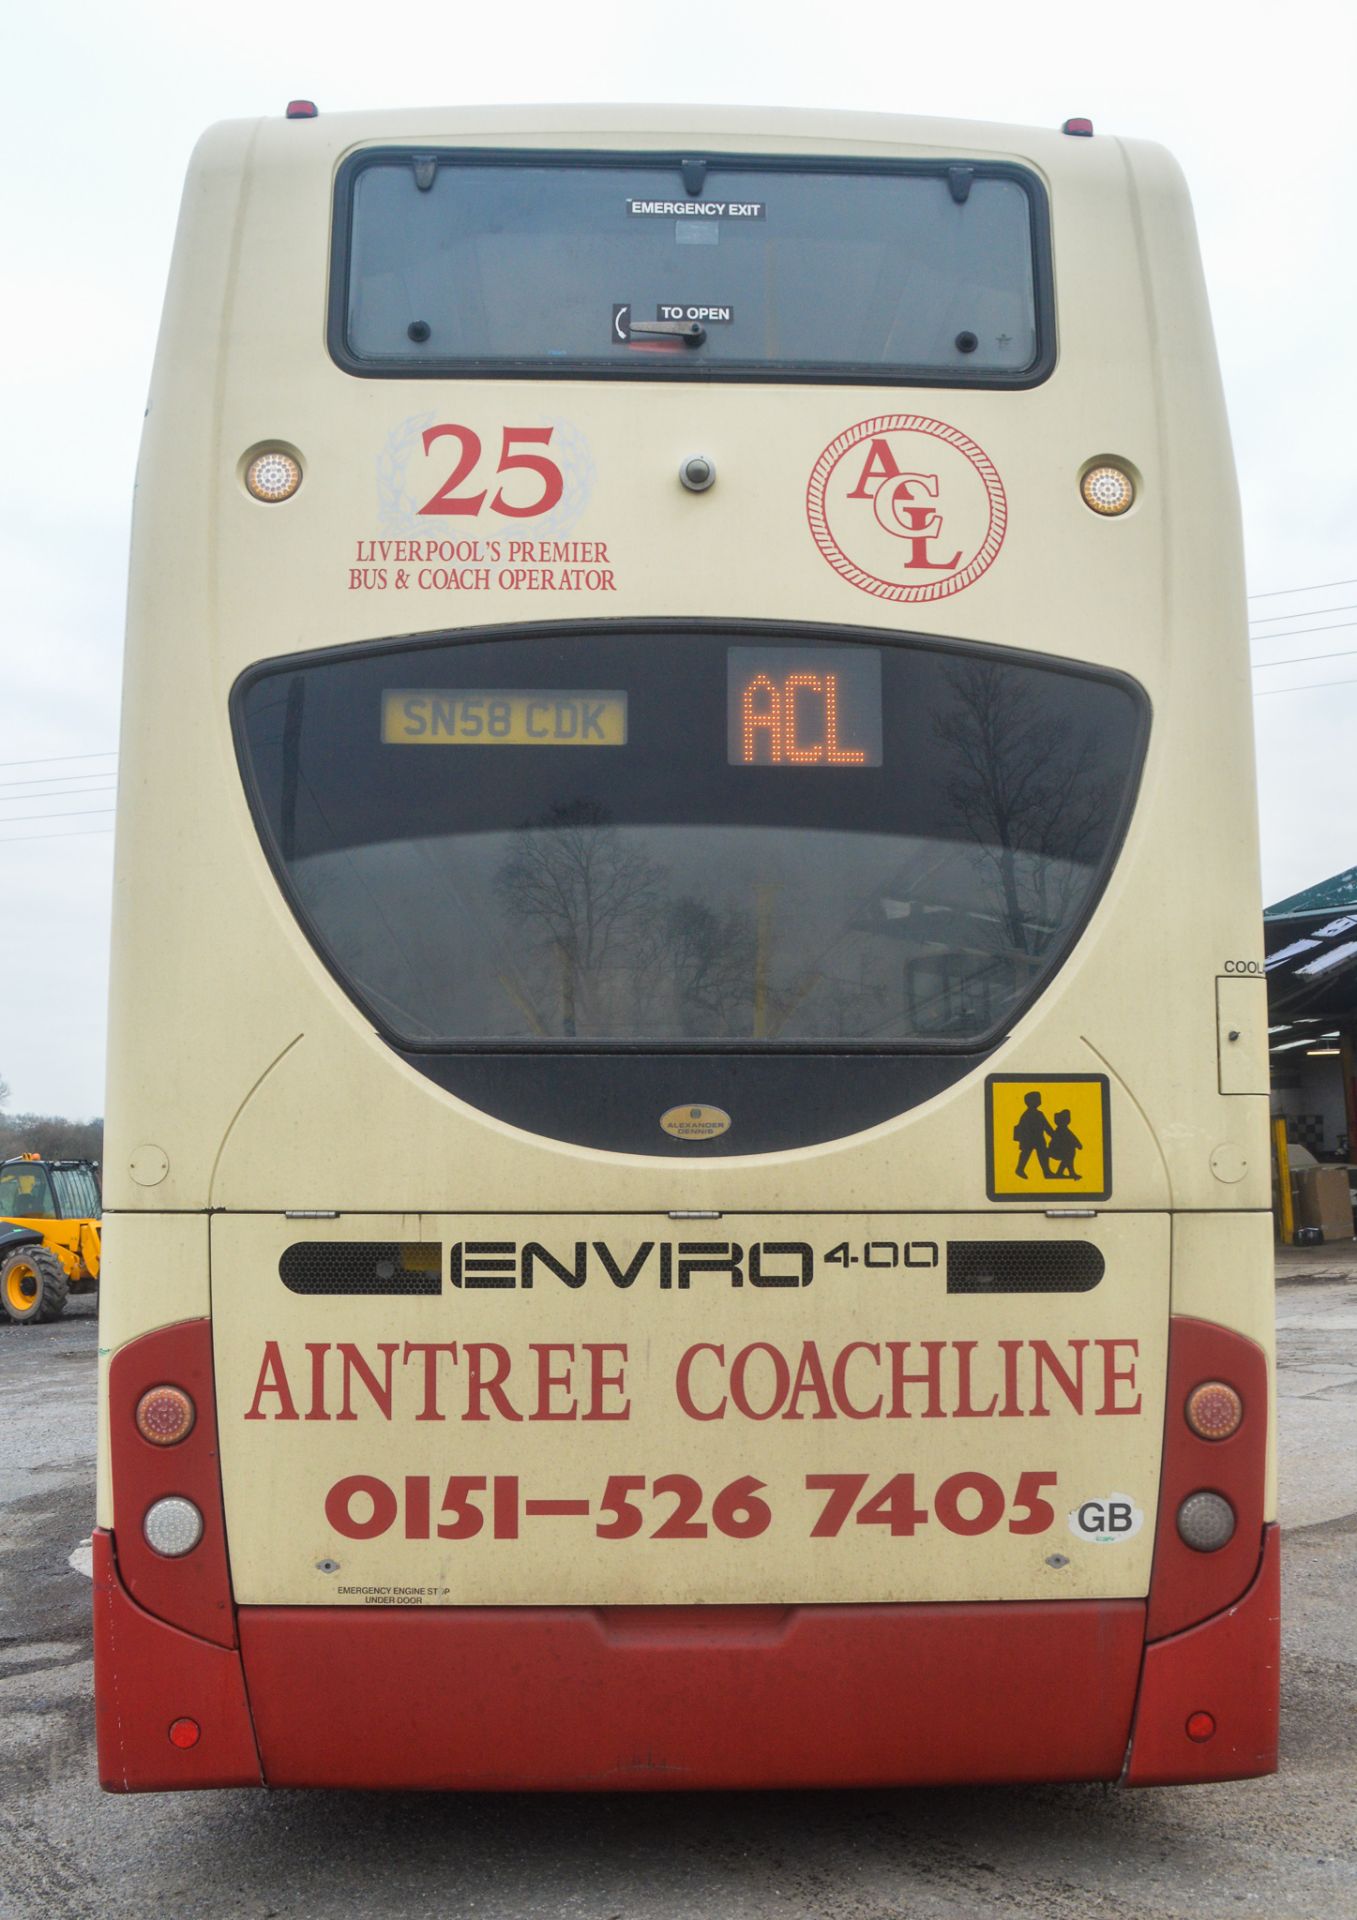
527 501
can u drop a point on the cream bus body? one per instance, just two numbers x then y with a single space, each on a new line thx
252 1105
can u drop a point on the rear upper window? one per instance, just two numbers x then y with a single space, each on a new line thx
662 267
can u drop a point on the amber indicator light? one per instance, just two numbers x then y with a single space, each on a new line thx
273 476
1107 490
1214 1410
165 1416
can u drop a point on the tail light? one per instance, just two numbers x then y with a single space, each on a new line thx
1210 1527
168 1521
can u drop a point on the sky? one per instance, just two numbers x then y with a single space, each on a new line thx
100 107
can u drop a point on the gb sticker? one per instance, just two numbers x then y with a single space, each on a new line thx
1103 1522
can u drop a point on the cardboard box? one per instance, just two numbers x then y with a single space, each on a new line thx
1323 1201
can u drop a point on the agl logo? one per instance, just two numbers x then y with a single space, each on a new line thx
906 508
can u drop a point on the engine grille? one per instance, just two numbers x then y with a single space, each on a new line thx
1023 1266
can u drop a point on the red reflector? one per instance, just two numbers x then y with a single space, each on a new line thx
185 1733
1071 126
1200 1726
306 110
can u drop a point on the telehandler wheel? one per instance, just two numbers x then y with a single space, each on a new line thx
33 1285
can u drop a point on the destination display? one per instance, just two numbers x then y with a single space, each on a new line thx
803 707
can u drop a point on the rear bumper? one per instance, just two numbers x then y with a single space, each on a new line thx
579 1698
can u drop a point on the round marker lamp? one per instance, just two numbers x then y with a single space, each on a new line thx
1213 1410
272 476
1108 490
1206 1522
173 1527
165 1416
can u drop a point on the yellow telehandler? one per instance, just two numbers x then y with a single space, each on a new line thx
49 1234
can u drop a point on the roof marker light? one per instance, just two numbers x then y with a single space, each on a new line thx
306 110
1085 127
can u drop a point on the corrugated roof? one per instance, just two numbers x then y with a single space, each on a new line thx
1326 896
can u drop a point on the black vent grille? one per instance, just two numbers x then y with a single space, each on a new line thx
362 1266
1023 1266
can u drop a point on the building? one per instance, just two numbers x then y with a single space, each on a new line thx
1310 942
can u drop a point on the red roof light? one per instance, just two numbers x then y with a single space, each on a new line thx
306 110
1071 126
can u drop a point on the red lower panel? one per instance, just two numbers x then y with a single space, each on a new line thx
553 1697
1228 1667
147 1676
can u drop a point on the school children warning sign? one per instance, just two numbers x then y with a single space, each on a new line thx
1048 1139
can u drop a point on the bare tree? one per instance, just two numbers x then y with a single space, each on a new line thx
1030 791
593 899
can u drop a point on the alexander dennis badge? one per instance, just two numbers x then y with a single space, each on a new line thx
1048 1139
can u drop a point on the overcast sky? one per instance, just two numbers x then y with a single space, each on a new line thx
101 105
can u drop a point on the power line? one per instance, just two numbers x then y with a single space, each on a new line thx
60 779
53 793
1298 660
76 813
1295 633
83 833
1315 586
1301 613
58 759
1310 686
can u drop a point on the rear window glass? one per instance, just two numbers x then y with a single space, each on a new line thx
689 837
664 268
77 1194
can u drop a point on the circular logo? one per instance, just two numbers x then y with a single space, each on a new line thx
906 508
695 1123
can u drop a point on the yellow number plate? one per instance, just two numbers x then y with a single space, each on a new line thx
507 717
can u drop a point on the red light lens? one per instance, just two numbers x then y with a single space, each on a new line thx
301 110
1213 1410
165 1416
185 1733
1079 126
1200 1726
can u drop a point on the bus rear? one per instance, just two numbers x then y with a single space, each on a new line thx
687 1192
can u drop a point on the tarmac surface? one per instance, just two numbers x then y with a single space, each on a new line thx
1284 1847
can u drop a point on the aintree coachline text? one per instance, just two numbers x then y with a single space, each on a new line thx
480 1380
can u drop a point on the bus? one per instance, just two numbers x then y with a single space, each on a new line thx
687 1202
